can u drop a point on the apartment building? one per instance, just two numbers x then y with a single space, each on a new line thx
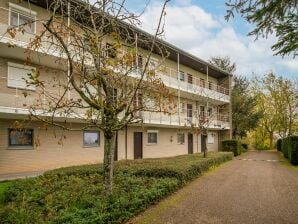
201 90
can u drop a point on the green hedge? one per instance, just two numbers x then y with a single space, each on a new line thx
232 145
289 148
278 144
75 194
244 147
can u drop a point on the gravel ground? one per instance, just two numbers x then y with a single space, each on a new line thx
254 188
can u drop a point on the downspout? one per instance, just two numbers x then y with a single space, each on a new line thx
230 106
178 78
126 142
68 43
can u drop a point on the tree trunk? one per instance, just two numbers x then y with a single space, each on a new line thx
271 140
205 146
108 163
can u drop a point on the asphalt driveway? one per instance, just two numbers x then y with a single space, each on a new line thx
255 188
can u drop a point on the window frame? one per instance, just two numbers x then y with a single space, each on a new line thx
20 146
178 139
24 12
91 145
152 132
181 107
181 76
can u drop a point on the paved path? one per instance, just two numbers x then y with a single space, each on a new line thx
255 188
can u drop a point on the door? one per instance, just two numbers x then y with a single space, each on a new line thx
116 148
138 145
190 143
203 143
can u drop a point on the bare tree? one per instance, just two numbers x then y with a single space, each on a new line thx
106 81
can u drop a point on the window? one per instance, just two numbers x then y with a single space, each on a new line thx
202 112
140 61
115 96
202 82
210 85
152 137
181 76
189 78
17 75
182 108
209 111
20 16
20 137
211 137
91 138
180 138
189 110
110 51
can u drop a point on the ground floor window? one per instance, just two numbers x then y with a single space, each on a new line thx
91 138
20 137
211 136
180 138
152 137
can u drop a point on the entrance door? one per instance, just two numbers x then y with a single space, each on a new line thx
116 148
190 143
203 143
138 145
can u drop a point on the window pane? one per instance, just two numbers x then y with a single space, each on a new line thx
29 27
14 19
20 137
152 137
91 138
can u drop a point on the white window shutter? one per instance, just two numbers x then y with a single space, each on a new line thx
16 75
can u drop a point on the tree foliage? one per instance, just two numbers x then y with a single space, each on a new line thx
278 17
244 115
277 99
224 63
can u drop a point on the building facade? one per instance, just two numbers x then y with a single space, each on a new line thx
201 90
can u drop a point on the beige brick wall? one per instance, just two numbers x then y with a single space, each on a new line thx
50 154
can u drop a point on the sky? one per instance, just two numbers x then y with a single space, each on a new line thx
199 27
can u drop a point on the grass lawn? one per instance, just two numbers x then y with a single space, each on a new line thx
75 194
3 187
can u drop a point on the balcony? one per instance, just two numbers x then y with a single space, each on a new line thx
216 121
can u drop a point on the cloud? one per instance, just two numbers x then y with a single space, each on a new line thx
191 28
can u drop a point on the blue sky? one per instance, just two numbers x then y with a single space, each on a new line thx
199 27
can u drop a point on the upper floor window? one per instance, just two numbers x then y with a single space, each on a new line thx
189 78
202 82
210 85
111 51
22 17
17 76
181 76
181 107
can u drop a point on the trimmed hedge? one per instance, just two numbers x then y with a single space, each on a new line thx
289 148
278 144
75 194
232 145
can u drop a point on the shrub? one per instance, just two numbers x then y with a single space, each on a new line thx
75 194
278 144
290 149
244 147
232 146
